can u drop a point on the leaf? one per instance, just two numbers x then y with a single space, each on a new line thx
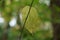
33 21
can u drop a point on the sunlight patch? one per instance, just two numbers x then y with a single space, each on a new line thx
12 22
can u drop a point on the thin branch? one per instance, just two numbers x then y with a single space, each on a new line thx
21 36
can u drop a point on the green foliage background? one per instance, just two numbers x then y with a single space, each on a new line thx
40 13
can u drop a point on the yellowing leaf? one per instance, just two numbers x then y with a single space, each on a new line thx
33 21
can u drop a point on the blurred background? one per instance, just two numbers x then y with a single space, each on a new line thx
38 26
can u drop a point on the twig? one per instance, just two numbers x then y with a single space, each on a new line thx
21 36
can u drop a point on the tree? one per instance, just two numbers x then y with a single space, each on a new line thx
55 7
